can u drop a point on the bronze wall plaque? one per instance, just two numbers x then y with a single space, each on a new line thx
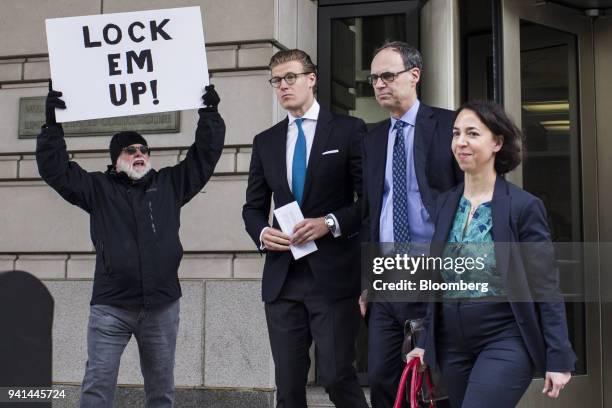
32 116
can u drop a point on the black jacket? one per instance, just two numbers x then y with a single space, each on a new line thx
134 224
333 178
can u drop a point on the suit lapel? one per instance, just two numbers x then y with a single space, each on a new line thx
377 159
446 216
444 222
322 133
500 212
279 153
423 134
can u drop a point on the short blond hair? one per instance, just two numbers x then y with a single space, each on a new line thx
295 54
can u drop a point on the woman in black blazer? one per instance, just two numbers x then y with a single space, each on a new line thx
489 344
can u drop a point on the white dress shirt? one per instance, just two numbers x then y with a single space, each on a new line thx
309 126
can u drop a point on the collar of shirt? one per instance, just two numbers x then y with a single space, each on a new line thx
312 113
409 116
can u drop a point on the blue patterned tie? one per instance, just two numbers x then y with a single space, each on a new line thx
401 232
298 168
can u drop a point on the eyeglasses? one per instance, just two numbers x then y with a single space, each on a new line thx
131 150
385 76
289 78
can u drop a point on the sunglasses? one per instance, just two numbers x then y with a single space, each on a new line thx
131 150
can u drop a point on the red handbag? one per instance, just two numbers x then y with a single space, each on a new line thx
416 373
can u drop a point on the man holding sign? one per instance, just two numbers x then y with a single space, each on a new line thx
135 215
312 157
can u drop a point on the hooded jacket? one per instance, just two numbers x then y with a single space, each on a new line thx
134 224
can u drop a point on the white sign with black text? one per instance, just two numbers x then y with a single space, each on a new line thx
128 63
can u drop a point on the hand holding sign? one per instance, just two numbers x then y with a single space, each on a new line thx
128 63
53 101
211 99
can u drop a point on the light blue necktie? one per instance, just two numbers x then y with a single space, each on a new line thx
298 168
401 230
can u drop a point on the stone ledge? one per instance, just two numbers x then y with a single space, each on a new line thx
24 85
10 72
7 262
223 57
200 397
81 266
205 266
227 162
25 167
43 266
38 59
249 266
133 397
243 159
255 55
28 168
8 166
36 70
317 397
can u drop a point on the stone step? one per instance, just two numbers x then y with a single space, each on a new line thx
317 397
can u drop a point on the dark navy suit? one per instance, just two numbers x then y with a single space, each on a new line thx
331 183
314 298
436 171
534 333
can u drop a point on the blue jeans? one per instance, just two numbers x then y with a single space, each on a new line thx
109 331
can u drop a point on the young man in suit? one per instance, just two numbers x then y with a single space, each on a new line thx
312 157
407 162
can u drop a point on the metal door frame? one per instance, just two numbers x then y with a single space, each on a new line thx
583 390
325 16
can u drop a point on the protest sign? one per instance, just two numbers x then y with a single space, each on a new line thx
128 63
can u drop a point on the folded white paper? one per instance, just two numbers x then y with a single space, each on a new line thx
287 216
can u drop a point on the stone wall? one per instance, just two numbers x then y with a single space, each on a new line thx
223 348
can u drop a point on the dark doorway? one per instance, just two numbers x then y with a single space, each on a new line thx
348 35
347 38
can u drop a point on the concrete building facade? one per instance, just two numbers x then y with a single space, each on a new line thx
471 48
222 352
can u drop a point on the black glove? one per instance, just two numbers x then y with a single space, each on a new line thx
53 101
211 99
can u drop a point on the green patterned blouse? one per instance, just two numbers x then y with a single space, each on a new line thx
477 232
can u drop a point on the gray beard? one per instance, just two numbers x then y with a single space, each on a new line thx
130 171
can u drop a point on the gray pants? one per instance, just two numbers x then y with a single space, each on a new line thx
109 331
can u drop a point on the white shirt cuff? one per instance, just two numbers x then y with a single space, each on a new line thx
262 247
337 232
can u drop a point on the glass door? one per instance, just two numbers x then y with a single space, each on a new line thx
548 50
347 37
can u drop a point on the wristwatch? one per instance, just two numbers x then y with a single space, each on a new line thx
330 223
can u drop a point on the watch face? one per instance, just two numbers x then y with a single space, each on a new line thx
331 224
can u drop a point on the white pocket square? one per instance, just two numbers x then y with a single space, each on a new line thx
330 152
